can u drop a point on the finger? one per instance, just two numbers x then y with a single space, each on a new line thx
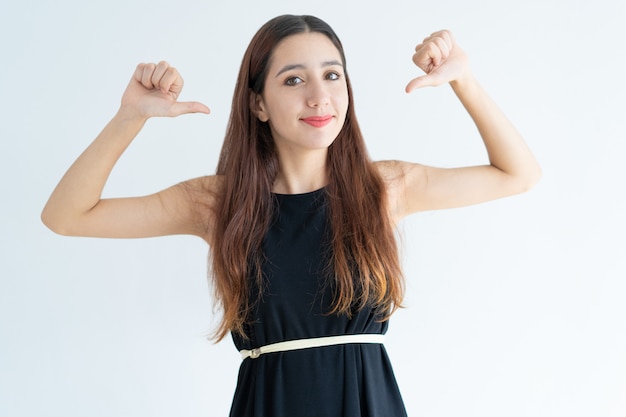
431 37
442 35
434 51
171 82
146 75
442 45
427 57
138 72
157 75
448 37
420 82
187 107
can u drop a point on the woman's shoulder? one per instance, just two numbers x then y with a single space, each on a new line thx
398 177
395 172
201 196
206 185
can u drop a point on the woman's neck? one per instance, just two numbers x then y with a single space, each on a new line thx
301 173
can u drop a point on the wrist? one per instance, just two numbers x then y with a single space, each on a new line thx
464 81
127 115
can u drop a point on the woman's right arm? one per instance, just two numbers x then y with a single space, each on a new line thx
76 208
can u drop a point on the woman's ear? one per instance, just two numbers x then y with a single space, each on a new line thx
257 106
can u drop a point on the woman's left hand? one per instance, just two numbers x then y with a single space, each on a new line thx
440 57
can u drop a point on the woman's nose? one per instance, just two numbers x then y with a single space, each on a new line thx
318 95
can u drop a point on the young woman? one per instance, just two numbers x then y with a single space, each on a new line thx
299 221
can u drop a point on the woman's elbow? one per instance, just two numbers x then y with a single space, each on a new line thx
529 179
54 223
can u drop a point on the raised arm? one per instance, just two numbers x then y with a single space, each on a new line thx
512 167
75 206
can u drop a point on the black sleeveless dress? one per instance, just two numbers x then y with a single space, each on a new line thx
354 380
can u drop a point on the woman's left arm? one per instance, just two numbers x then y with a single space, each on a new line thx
512 167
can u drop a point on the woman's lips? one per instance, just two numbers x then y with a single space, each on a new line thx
317 121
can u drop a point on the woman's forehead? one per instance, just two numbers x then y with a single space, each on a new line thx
305 49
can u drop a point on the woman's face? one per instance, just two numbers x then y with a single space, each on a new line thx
305 99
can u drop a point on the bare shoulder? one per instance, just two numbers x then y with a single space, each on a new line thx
395 172
204 188
196 198
398 176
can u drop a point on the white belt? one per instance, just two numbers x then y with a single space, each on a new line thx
311 343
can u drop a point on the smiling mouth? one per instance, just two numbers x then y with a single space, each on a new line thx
317 121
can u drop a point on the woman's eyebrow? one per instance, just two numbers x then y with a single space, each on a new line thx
290 67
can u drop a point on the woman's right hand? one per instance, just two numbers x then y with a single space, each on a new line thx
153 91
76 206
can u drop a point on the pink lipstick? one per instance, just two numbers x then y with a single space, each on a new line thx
317 121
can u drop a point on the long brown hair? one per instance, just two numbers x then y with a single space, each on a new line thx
364 261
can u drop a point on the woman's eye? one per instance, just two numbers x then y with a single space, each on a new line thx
333 76
293 80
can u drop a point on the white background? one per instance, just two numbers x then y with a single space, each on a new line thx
515 307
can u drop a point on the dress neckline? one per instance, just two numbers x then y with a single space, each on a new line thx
300 195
